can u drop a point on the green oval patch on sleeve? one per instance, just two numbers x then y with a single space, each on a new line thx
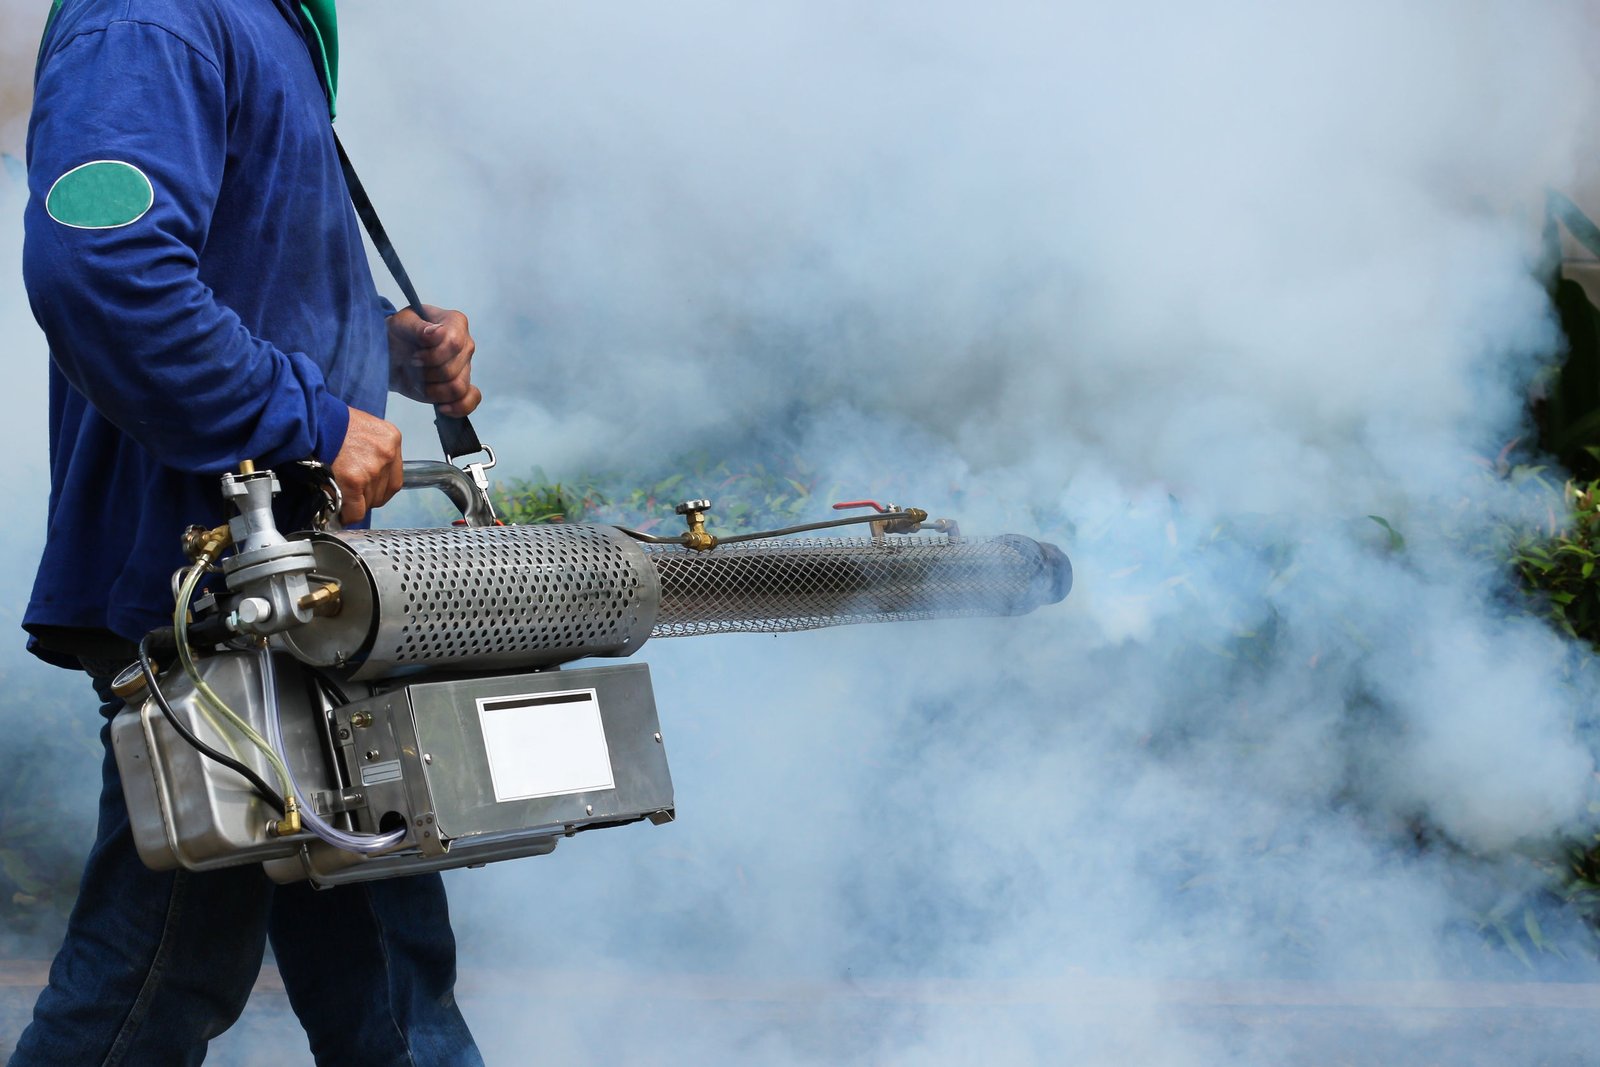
101 195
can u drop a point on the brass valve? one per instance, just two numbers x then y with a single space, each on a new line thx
205 546
904 520
895 519
694 514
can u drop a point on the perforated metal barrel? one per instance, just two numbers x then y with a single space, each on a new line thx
496 598
795 583
486 598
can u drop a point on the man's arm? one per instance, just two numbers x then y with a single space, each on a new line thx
130 322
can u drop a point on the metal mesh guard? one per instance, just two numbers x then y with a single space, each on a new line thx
787 584
502 593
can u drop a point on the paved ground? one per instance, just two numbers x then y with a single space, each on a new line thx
565 1018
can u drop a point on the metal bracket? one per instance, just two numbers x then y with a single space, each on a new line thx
337 802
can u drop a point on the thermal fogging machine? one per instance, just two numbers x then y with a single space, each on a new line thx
348 705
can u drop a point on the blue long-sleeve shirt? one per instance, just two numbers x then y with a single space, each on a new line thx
234 318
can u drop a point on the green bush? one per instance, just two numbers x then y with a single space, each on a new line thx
1557 567
1557 570
745 497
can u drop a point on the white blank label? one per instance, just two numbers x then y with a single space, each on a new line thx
545 744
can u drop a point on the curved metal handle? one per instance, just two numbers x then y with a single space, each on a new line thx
463 491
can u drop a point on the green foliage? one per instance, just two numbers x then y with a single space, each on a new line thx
1397 543
1557 570
538 500
1557 566
1569 412
746 497
1579 879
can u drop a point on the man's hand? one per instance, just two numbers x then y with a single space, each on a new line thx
431 359
367 467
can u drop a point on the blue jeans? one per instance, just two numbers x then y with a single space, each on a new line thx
156 964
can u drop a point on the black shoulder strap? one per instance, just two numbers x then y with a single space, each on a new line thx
455 432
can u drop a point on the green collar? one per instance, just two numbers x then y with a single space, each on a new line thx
321 26
322 35
55 9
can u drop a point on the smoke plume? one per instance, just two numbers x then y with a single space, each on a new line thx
1192 290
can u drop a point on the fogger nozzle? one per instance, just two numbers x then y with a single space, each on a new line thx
789 584
510 597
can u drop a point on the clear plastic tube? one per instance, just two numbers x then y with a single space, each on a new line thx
208 696
366 844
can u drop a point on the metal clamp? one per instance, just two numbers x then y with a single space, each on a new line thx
480 479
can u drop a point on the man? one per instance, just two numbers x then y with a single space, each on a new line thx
194 261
